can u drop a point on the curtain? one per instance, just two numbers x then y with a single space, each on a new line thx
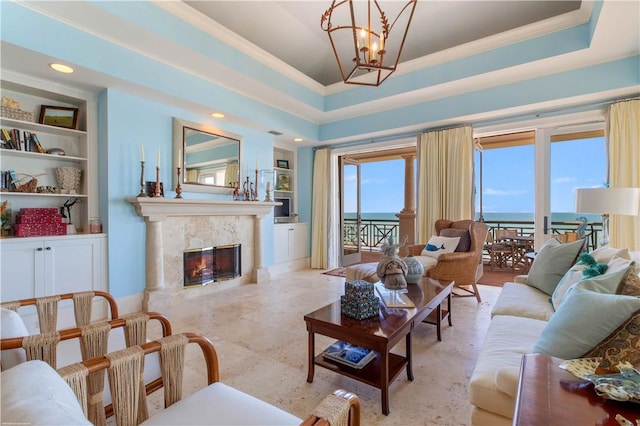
445 178
231 174
623 146
191 176
320 210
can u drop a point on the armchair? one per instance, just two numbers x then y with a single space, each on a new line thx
463 267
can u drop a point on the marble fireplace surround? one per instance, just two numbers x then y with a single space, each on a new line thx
179 223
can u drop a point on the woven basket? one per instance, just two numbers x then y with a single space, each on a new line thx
18 114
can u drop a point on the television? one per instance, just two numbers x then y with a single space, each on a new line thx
283 211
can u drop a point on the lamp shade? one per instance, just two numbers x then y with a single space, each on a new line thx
620 201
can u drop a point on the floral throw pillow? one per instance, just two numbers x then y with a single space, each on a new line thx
621 346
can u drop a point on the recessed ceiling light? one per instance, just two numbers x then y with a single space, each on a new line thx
217 115
61 68
298 140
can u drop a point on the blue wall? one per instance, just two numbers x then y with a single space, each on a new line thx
131 121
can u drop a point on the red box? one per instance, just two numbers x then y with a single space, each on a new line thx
39 210
38 218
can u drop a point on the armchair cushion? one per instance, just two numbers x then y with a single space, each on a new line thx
219 404
464 244
34 393
11 325
438 245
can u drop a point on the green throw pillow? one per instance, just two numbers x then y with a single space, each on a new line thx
583 320
551 263
609 283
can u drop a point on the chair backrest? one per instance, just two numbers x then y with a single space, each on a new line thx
501 233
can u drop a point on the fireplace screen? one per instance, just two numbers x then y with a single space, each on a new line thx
205 265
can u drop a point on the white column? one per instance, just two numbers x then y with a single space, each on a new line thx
260 273
155 255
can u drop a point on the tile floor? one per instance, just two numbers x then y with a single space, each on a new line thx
261 341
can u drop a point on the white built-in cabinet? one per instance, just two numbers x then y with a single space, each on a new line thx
48 265
290 242
43 266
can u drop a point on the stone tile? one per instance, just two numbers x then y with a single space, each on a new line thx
261 341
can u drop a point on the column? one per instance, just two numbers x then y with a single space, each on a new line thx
260 273
407 217
155 255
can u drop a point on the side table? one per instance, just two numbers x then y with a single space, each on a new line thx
549 395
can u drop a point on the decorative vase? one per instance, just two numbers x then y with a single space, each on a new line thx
68 179
415 270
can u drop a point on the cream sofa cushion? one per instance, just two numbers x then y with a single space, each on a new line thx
33 393
507 340
219 404
522 300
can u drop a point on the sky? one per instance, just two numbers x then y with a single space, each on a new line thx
508 178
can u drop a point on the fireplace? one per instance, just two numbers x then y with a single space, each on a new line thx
206 265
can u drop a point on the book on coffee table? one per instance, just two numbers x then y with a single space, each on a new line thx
348 354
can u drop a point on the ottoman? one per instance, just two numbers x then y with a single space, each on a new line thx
362 271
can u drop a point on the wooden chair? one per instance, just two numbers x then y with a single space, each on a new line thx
122 368
500 250
94 339
47 307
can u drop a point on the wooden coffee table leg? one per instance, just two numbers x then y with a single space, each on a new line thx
449 308
384 379
312 351
409 358
439 322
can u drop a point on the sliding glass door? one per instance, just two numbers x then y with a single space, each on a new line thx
350 211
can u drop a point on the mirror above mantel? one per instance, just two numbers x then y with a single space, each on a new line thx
209 158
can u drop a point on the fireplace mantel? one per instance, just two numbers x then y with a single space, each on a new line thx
159 208
156 210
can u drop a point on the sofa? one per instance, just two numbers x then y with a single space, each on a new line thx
530 317
34 393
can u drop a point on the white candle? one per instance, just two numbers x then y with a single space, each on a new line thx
180 157
142 152
268 185
382 41
256 164
158 160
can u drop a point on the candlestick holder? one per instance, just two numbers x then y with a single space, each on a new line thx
157 191
178 187
142 193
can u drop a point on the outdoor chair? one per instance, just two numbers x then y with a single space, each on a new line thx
500 249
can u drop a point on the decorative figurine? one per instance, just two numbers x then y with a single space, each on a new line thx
392 270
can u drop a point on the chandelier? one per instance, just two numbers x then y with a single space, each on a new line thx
367 47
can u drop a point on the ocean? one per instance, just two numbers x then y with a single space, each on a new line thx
493 217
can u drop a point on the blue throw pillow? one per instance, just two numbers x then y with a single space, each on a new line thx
583 320
551 263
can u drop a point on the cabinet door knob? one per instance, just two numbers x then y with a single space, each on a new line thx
39 249
48 248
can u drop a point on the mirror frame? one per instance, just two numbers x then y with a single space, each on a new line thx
178 143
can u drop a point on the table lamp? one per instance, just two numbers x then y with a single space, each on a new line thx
606 201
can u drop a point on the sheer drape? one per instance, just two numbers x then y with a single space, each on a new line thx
623 140
320 210
445 178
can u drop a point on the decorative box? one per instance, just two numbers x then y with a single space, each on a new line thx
360 310
18 114
359 300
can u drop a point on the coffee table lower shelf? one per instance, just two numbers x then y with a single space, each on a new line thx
370 373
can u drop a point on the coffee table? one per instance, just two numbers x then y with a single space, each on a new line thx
379 333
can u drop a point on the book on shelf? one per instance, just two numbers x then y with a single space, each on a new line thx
36 142
348 354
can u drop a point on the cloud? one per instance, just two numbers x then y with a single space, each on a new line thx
564 179
502 192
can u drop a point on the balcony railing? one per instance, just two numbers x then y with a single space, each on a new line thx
373 233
